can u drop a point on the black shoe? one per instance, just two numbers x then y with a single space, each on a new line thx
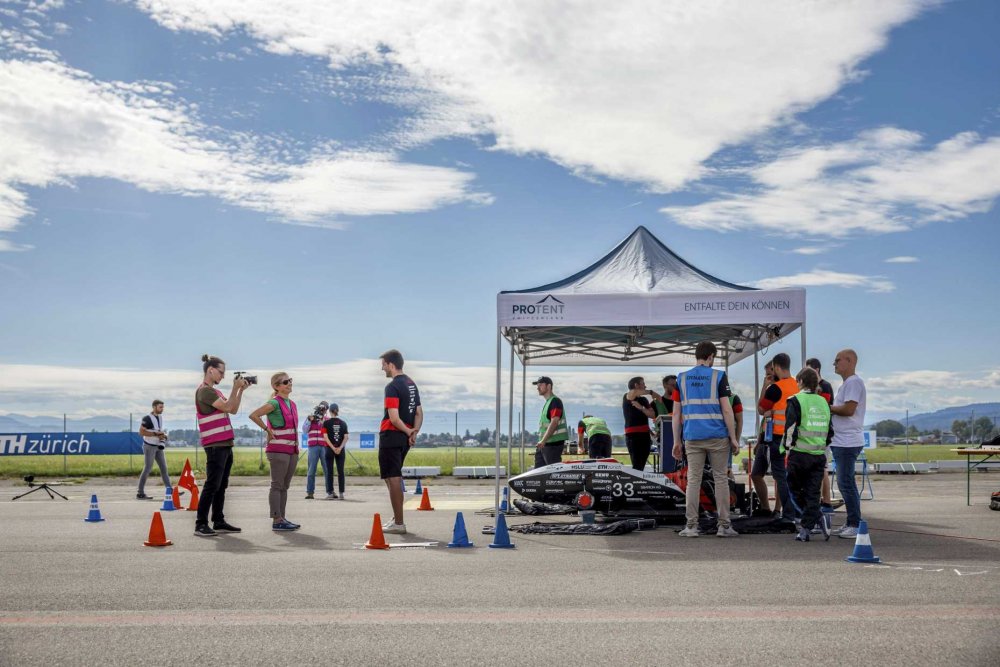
142 496
295 526
223 527
202 530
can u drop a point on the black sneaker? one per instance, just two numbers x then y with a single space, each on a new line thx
223 527
203 530
142 496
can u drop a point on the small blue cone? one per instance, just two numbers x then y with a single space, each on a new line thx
402 484
459 536
94 515
168 501
501 538
505 500
863 552
419 491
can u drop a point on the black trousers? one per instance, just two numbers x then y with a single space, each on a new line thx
332 458
218 463
599 446
805 479
549 454
638 445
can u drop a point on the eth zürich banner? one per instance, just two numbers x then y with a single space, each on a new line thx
752 306
27 444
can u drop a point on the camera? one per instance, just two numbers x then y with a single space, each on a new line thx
251 379
320 410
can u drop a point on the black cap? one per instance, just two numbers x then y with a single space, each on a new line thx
545 379
334 407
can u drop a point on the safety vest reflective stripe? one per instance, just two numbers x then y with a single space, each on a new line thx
213 431
701 401
688 417
316 435
218 416
215 426
789 387
285 438
814 424
701 412
811 434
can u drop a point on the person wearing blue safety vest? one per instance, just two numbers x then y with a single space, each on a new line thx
704 417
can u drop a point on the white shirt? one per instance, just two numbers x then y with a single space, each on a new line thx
849 431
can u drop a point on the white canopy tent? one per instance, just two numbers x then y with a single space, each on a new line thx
641 304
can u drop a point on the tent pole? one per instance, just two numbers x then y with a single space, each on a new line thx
756 413
524 389
496 433
510 414
802 337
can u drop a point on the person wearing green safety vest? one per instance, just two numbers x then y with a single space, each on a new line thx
598 436
552 431
807 433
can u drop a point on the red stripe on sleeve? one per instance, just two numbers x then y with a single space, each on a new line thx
738 408
391 402
554 413
766 405
675 395
828 397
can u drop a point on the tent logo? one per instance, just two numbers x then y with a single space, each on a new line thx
549 308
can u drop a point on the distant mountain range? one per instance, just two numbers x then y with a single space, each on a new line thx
942 419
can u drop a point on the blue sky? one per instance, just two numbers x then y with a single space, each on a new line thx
333 179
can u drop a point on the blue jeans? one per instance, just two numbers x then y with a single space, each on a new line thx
316 455
845 457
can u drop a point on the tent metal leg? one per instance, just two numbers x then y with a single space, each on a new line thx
524 389
496 433
802 338
510 413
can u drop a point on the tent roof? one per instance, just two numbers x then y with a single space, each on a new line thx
639 264
643 304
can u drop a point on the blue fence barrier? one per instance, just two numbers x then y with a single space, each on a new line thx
28 444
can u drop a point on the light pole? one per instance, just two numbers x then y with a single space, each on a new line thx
907 435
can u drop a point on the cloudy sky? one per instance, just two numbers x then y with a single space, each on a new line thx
296 184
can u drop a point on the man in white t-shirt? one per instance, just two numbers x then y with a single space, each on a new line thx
848 422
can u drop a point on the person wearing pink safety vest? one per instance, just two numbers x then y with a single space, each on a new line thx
282 446
317 450
216 434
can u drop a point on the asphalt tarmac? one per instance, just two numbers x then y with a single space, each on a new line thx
76 593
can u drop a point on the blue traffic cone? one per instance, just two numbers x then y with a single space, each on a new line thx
419 491
94 515
168 501
863 552
501 538
505 500
459 536
402 484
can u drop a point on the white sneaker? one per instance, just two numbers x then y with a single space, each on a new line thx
691 531
394 528
848 532
330 496
726 531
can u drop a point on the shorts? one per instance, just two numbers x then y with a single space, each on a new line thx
392 449
763 453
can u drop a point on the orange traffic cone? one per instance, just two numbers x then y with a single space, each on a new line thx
193 507
377 539
177 498
425 501
157 537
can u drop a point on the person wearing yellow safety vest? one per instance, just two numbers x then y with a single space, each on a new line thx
598 436
807 433
552 430
703 422
772 408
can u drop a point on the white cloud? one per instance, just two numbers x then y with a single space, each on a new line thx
8 246
882 181
630 90
902 259
810 250
826 278
59 125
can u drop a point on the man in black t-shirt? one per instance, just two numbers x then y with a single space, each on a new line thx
637 411
336 436
401 423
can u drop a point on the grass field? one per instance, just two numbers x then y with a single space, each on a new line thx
248 461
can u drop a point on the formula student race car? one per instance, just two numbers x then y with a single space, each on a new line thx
614 489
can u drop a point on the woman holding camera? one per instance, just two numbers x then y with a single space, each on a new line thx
282 446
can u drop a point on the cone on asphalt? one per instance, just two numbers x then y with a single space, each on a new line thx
459 536
417 491
377 539
863 552
157 536
505 500
168 501
193 507
425 502
94 515
176 498
501 538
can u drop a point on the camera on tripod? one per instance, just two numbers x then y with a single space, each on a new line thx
251 379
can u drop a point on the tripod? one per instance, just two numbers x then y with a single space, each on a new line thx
30 479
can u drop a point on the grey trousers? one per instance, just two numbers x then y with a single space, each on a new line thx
282 471
152 453
716 450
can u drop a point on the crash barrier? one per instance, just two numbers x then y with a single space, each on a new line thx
478 472
421 471
29 444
